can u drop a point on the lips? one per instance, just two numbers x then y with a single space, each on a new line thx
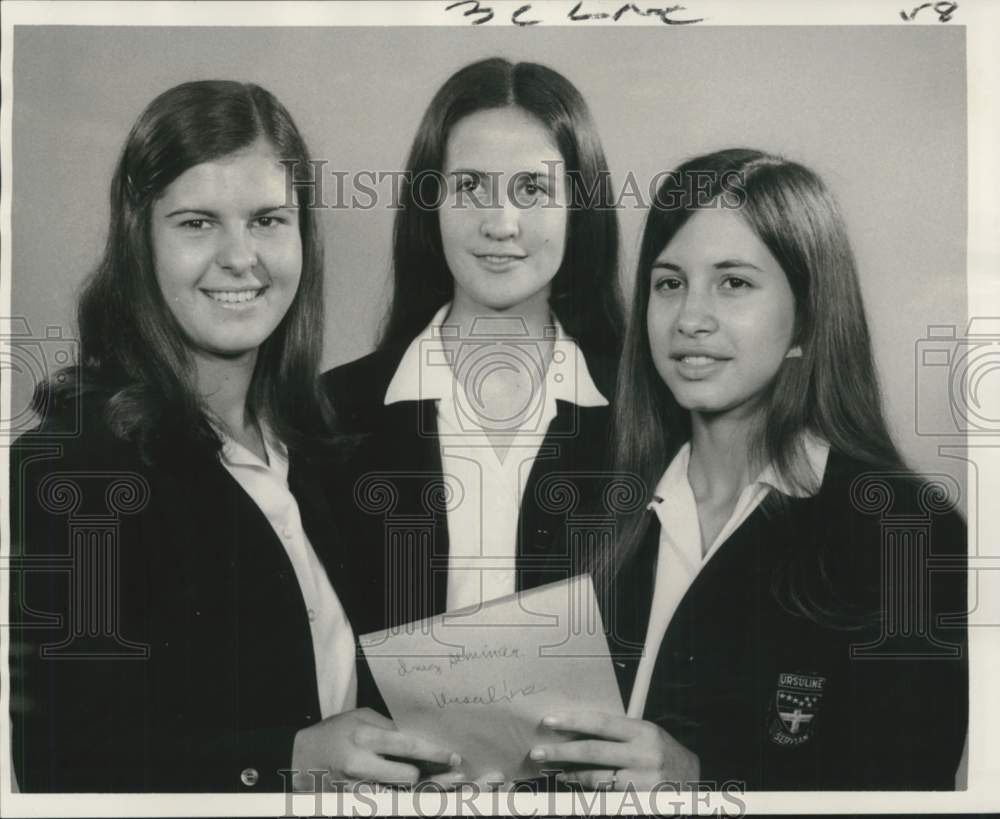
498 256
499 262
696 365
697 360
235 299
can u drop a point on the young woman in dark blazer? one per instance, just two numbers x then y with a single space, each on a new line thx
790 608
181 616
485 406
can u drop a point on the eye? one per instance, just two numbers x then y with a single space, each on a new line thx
668 282
270 221
530 190
735 283
466 182
196 224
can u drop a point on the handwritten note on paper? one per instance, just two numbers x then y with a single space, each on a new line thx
479 680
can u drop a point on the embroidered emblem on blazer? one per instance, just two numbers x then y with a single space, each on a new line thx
794 709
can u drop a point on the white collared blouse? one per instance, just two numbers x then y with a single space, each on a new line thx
486 488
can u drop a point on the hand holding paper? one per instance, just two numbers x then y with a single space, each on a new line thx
480 680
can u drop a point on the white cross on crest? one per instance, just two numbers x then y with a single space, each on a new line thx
794 718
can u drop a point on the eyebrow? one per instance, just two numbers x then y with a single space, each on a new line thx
533 175
725 264
729 264
211 214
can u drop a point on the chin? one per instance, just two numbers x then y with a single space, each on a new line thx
706 405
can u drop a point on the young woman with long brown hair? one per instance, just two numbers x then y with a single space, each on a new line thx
776 630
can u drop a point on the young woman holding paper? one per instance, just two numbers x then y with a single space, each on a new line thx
793 596
485 407
181 613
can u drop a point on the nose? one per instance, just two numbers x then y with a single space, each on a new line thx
501 222
237 252
697 314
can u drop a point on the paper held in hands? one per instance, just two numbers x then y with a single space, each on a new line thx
479 680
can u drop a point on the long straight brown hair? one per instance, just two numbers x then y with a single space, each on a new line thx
832 391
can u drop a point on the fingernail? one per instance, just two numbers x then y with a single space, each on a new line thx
537 754
551 721
455 760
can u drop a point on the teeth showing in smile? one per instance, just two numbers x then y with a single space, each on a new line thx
499 259
233 298
698 360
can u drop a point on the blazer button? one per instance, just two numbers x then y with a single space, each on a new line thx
249 777
544 539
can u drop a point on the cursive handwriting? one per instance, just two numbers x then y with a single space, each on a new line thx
944 11
481 13
486 653
663 12
404 669
490 697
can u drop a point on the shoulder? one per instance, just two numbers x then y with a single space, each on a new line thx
888 494
358 387
867 520
77 430
603 370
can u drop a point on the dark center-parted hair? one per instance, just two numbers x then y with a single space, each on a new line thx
132 349
585 294
831 391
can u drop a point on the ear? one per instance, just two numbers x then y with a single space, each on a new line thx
794 352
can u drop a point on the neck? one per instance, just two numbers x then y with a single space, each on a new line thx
223 385
719 467
532 315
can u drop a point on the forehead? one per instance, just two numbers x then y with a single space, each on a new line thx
501 139
248 174
716 233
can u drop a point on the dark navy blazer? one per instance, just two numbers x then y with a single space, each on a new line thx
397 497
162 640
870 692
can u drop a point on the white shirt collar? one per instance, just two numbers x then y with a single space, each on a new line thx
234 453
815 452
424 371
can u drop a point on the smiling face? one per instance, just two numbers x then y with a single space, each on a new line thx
503 222
721 315
227 253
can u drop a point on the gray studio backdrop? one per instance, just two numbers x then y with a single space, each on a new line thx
878 111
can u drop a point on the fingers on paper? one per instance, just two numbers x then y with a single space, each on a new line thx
607 726
397 744
596 752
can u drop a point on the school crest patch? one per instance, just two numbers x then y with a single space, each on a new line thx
794 708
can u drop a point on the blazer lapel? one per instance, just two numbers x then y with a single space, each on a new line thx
561 496
630 606
402 491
